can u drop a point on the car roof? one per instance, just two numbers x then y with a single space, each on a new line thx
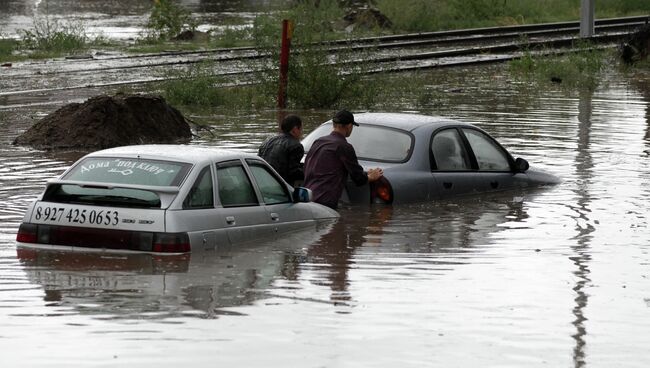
174 152
405 121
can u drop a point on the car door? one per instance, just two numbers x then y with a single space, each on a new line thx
494 162
240 212
451 165
284 214
197 214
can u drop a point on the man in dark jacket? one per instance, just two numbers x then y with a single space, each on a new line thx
284 151
331 159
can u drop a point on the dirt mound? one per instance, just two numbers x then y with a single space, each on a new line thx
108 121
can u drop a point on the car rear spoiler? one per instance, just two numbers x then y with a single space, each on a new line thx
167 192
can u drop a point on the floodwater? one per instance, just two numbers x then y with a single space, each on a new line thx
556 277
123 19
548 278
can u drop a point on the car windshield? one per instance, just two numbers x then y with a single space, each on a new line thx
128 171
371 142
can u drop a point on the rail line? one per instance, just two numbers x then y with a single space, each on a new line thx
388 53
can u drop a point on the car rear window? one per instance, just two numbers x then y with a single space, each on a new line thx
129 171
372 142
97 196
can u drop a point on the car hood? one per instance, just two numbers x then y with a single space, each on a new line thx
542 177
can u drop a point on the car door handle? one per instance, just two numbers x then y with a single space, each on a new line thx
494 184
447 185
230 220
275 216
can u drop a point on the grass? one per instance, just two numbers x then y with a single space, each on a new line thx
7 47
314 81
434 15
50 37
198 86
580 69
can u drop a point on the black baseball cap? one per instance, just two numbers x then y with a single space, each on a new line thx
344 117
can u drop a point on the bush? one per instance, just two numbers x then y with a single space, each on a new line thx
167 20
317 78
51 36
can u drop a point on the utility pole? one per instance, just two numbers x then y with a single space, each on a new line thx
587 18
287 33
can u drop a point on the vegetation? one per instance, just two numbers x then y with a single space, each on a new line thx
576 69
7 47
434 15
49 37
167 20
314 80
198 86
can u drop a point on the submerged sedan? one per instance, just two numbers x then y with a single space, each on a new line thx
428 158
166 199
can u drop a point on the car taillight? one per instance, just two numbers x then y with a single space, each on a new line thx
104 238
171 242
27 233
381 191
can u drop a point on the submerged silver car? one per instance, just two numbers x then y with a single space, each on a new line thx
428 158
167 199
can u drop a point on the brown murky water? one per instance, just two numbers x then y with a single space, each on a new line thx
552 278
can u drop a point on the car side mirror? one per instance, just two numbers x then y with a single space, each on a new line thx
521 165
302 194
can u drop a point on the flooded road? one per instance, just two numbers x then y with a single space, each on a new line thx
550 278
556 277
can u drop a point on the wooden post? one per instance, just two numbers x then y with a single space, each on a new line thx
287 32
587 18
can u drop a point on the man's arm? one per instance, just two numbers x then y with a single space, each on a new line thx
349 159
295 166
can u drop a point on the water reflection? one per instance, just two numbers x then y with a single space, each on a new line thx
584 167
207 284
133 285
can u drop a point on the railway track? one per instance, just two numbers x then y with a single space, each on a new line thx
52 80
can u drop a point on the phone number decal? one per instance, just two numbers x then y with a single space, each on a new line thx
77 216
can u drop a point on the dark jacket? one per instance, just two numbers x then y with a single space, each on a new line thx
284 153
329 162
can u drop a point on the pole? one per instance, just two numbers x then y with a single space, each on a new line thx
287 32
587 10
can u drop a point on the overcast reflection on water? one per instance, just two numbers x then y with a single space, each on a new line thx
554 277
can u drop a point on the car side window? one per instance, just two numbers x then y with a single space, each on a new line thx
273 191
202 193
449 152
490 156
235 189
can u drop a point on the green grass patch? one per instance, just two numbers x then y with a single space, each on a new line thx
580 69
50 37
434 15
198 86
7 47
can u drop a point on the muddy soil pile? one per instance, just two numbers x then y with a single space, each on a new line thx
108 121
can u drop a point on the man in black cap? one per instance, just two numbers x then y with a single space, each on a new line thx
284 150
331 159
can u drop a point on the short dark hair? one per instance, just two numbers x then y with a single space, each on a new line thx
289 122
344 117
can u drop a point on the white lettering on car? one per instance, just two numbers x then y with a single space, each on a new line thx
94 165
123 172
